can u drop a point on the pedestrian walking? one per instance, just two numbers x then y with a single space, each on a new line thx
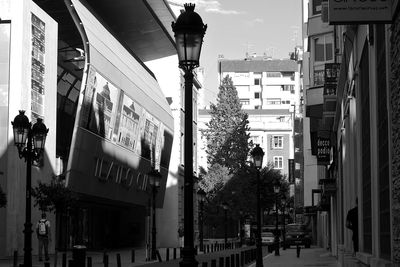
352 224
44 236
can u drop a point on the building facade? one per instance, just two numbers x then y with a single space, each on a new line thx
79 66
359 121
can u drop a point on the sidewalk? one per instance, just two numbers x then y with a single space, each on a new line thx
313 256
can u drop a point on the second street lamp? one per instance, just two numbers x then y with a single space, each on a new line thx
30 143
189 31
284 222
276 191
257 153
225 206
154 179
202 197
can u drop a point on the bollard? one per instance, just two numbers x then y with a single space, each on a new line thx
204 264
298 251
232 260
133 255
241 258
64 260
118 260
174 253
237 260
47 264
221 261
15 263
105 260
213 263
89 262
167 254
227 262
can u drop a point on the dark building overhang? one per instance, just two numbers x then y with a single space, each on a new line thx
143 26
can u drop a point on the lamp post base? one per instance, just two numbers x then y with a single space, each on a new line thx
188 258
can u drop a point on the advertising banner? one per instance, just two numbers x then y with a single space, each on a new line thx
291 170
360 11
323 150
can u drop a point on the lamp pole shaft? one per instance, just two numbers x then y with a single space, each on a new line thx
225 228
201 216
284 231
276 226
28 212
154 230
259 257
188 253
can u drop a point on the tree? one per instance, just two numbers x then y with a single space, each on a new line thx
227 131
3 198
54 197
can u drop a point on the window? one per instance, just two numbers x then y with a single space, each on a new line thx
281 118
257 81
245 101
285 101
274 74
287 87
277 142
316 7
273 101
257 95
257 107
323 48
319 77
278 162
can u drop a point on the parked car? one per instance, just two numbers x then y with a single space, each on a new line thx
267 238
297 234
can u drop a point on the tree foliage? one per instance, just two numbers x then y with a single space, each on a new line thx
240 193
214 180
3 198
227 131
54 196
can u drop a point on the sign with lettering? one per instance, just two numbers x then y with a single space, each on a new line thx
323 150
360 11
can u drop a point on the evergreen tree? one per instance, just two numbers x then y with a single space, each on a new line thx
227 131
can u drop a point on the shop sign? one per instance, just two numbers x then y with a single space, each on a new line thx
360 11
323 150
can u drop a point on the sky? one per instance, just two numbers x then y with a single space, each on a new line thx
235 27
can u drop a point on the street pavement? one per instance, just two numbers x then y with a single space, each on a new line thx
313 256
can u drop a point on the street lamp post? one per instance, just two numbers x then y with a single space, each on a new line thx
257 153
189 32
225 206
276 190
284 223
240 227
202 197
30 142
154 179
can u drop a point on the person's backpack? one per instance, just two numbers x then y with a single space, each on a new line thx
42 227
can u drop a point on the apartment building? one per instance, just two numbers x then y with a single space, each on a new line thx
269 92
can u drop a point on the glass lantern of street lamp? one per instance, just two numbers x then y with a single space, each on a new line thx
39 133
154 178
201 195
21 128
257 153
189 32
276 188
